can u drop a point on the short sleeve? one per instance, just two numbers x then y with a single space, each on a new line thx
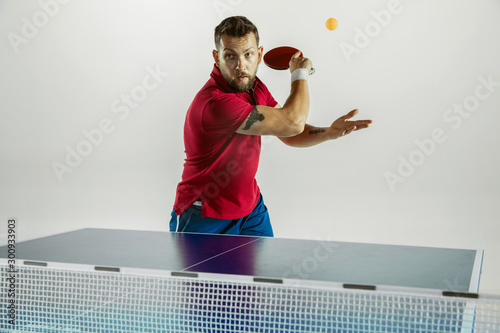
225 113
265 96
270 100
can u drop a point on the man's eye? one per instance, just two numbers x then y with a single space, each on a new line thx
249 54
229 55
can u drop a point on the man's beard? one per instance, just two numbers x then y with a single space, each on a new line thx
239 86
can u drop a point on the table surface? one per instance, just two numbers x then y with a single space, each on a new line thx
262 257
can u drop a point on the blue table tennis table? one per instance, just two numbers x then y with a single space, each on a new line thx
105 280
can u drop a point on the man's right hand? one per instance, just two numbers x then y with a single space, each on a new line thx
299 62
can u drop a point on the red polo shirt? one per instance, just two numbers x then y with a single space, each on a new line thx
221 164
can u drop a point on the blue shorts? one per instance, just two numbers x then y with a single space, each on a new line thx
257 223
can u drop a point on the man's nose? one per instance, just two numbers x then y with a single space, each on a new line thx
241 64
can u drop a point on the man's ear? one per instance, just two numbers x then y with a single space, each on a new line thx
260 52
215 54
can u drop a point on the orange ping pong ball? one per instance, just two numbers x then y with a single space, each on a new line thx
331 24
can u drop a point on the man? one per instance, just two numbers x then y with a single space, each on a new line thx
218 192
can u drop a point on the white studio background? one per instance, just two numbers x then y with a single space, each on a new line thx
426 72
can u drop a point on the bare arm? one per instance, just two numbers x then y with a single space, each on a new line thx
285 121
312 136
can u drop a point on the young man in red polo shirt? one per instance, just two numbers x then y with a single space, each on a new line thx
218 192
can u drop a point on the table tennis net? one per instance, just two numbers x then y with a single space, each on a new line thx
72 300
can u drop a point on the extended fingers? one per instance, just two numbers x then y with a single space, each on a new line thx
359 124
346 126
350 129
351 114
351 126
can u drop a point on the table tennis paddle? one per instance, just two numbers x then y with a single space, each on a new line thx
279 57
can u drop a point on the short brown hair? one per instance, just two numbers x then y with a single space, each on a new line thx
235 26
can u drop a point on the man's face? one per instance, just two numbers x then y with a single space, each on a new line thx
238 59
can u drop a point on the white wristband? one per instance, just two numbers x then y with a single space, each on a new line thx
300 74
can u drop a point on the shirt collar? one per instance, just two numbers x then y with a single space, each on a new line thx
221 81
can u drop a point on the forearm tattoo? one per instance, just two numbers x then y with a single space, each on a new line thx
317 131
254 117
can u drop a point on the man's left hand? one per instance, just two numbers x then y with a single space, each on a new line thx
343 126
